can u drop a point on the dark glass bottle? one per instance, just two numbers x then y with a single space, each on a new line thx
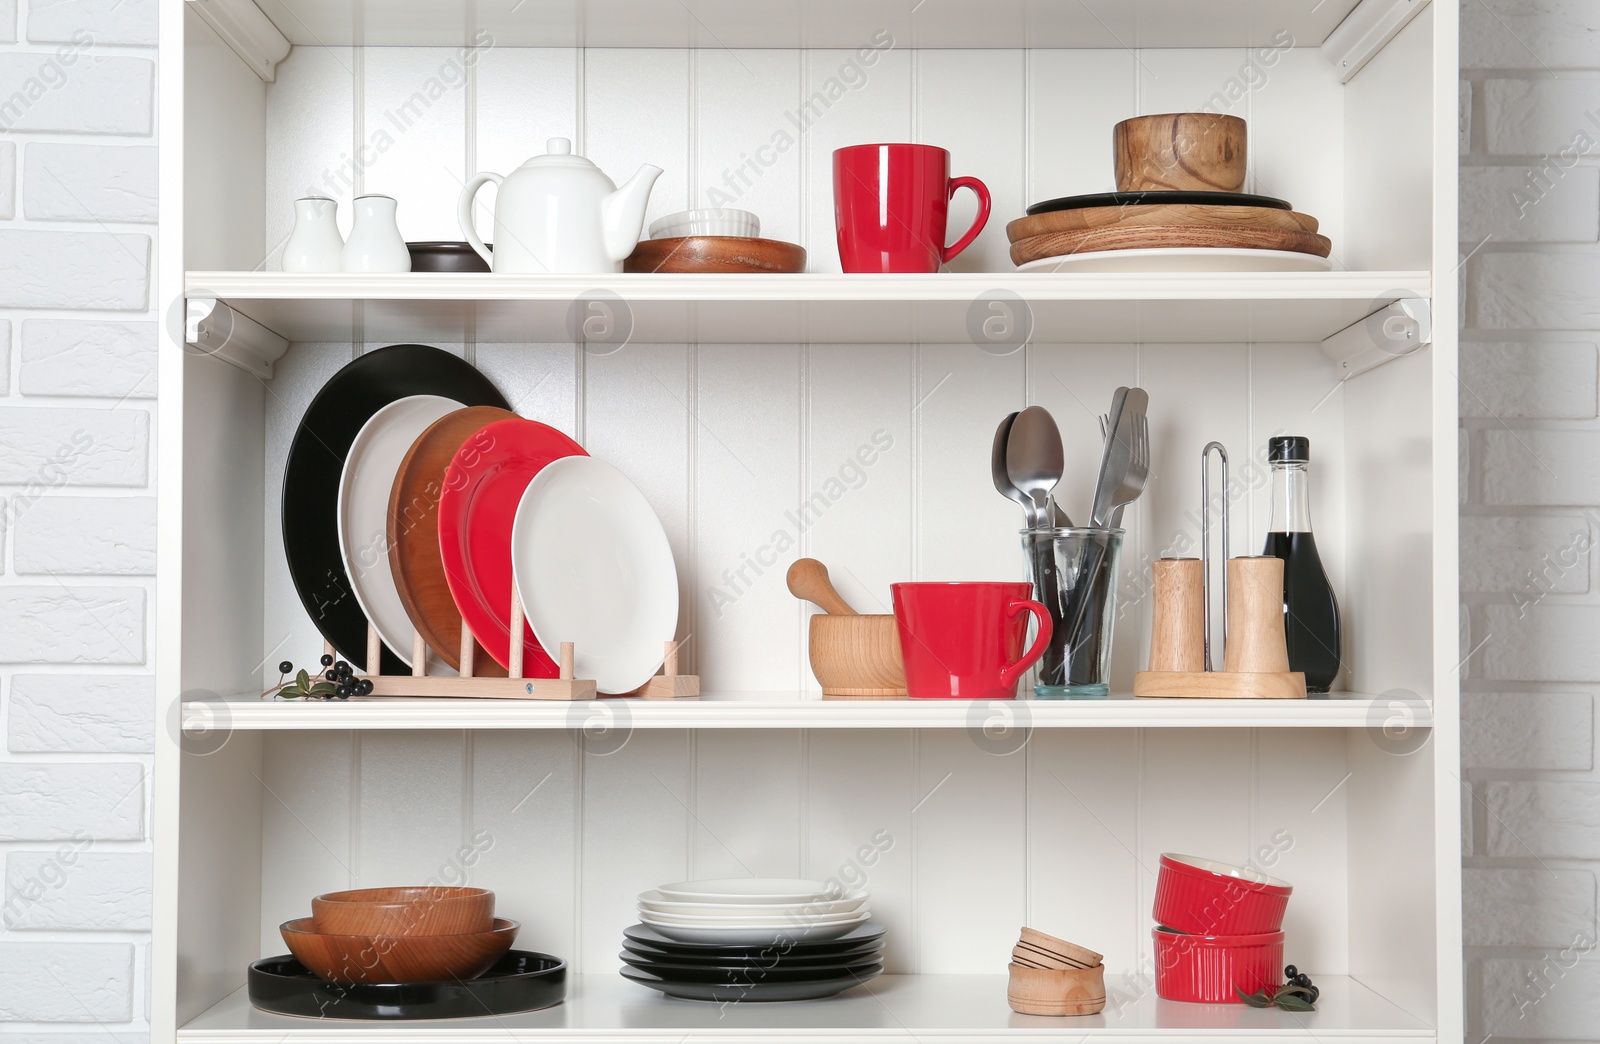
1310 610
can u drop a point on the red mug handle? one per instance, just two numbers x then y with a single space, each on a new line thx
980 190
1009 675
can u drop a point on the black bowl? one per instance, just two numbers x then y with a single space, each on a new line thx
522 980
446 256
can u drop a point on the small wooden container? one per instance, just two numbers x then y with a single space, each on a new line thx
1178 629
857 657
1057 991
1182 151
1256 642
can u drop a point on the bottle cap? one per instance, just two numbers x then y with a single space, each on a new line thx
1288 448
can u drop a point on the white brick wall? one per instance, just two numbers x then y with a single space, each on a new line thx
1530 195
77 406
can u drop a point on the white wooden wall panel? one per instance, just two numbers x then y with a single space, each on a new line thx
307 785
636 111
951 87
965 836
752 160
1297 136
521 97
1185 79
414 114
526 812
1085 867
412 792
311 137
1073 99
636 831
749 790
746 441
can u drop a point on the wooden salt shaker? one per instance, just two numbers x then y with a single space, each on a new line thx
1177 635
1256 642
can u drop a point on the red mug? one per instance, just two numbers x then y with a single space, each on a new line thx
891 204
964 640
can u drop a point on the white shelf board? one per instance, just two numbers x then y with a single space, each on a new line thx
818 308
970 1009
788 710
808 23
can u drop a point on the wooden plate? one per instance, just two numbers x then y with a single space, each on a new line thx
1148 237
1159 214
715 254
414 535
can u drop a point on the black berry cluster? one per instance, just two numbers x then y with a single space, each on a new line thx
338 682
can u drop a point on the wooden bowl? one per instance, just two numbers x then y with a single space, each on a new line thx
1057 991
404 911
1180 151
397 959
715 254
857 657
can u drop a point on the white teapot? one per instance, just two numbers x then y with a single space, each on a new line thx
559 213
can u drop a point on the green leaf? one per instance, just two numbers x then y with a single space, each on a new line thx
1255 1000
1293 1002
1291 989
288 692
303 680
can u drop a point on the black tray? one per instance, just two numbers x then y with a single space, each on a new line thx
778 991
520 981
858 936
1132 199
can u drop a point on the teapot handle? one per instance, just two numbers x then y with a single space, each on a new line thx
469 227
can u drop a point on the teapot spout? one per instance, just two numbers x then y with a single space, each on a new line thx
622 212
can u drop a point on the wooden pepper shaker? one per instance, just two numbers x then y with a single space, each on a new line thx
1177 633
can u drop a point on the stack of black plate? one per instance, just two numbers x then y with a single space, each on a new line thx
784 970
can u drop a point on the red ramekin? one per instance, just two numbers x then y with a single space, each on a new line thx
1206 969
1205 897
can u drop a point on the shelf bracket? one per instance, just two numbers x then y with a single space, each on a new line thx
212 328
1399 329
250 34
1365 31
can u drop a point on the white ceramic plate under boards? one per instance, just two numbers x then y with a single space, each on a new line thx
593 567
363 514
1181 259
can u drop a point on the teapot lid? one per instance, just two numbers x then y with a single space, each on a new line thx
558 153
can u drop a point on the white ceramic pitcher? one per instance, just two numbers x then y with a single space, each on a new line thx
559 213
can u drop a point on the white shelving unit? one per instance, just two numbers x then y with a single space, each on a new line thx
732 401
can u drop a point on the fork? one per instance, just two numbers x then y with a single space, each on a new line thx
1136 475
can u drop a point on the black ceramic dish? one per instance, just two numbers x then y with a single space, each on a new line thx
316 459
871 931
642 954
752 975
520 981
1130 199
446 256
775 991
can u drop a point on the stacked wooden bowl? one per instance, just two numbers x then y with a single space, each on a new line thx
1051 976
1180 180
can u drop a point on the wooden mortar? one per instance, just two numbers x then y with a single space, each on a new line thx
1180 151
858 656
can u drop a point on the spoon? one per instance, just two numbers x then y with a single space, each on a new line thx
1002 478
1035 460
808 580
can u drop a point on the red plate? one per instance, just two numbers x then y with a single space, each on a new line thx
477 507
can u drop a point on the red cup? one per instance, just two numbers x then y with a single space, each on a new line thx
1206 969
964 640
891 204
1207 897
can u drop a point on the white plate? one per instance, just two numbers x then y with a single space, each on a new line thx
1181 259
363 514
653 900
748 890
756 935
593 567
754 920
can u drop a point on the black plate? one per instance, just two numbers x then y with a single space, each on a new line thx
316 459
776 991
520 981
861 933
1132 199
640 953
751 975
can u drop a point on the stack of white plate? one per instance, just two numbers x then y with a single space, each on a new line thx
752 911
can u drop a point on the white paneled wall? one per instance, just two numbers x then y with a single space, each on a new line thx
756 129
959 838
